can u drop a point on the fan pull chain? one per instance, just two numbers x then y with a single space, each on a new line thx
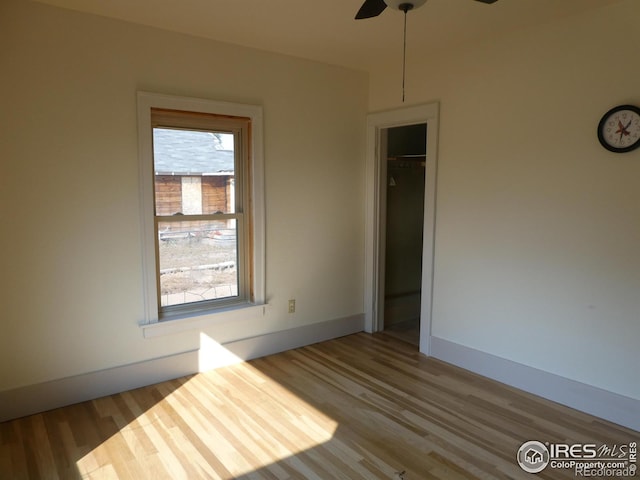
405 7
404 53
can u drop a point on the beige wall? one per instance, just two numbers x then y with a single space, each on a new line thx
71 283
538 227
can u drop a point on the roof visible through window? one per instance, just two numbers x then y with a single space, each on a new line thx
192 152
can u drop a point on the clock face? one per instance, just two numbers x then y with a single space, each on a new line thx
619 129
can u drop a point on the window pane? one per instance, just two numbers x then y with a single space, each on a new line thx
198 261
194 172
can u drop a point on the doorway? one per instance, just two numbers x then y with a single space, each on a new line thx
404 219
379 126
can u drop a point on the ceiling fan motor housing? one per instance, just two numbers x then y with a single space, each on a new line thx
404 5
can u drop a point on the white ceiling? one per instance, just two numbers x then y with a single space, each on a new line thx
326 30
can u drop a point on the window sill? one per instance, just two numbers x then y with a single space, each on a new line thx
202 320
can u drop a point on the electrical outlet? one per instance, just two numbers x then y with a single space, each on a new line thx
292 306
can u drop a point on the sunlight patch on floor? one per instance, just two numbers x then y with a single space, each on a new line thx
224 416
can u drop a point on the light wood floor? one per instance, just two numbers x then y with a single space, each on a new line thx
361 406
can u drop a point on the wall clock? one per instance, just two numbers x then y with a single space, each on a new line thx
619 129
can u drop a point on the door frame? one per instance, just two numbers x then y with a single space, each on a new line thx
375 212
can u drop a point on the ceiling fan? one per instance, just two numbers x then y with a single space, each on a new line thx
373 8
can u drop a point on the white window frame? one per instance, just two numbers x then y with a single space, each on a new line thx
196 316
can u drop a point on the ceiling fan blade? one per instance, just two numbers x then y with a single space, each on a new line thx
371 8
487 1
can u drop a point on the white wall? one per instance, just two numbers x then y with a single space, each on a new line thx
538 227
70 249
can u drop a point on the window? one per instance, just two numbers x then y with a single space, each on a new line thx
201 176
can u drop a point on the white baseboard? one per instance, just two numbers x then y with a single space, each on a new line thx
580 396
40 397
